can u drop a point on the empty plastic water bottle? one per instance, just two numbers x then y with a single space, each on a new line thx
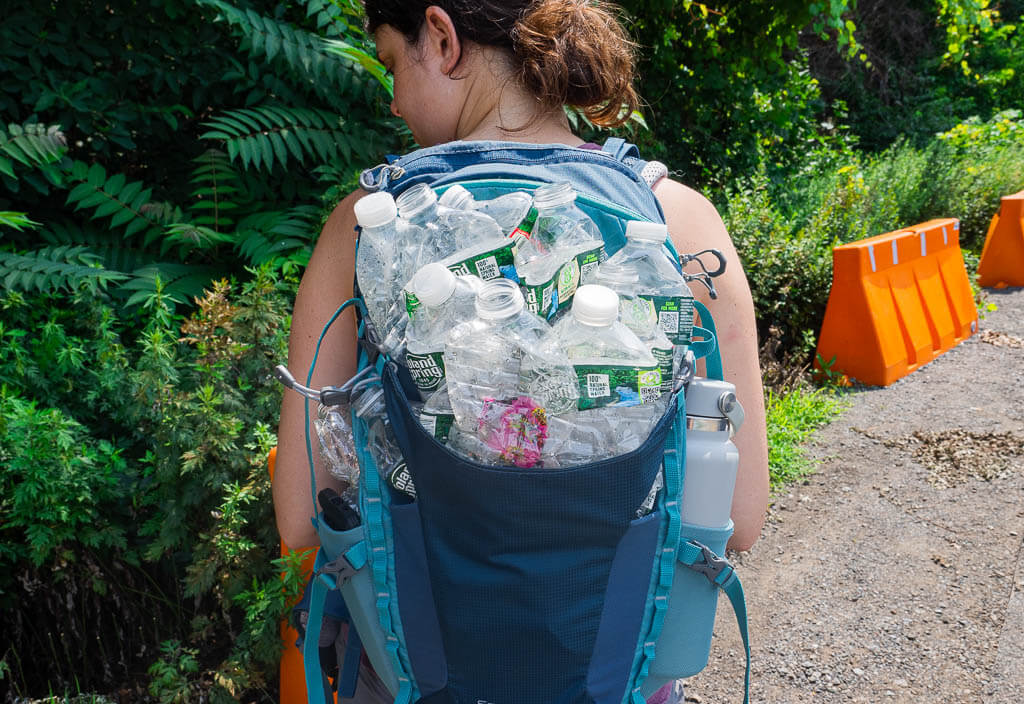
445 300
466 241
495 358
509 210
659 281
381 440
436 416
562 250
390 251
638 314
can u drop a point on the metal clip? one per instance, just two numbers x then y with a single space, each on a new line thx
713 566
377 178
327 395
685 259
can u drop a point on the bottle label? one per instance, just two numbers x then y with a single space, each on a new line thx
664 357
525 229
652 496
439 425
675 317
411 302
493 264
400 479
427 370
548 298
614 385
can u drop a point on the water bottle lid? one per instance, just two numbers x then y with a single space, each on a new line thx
499 299
375 209
433 284
703 394
646 231
595 305
456 197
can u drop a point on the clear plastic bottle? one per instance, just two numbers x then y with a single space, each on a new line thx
618 378
445 300
638 314
659 281
497 373
390 251
436 416
509 210
381 441
465 241
560 252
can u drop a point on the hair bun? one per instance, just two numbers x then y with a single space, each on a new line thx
575 52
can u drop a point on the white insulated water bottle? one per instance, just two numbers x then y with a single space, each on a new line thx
713 415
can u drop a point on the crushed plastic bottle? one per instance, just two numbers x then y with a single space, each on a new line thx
390 251
509 210
465 241
559 252
445 300
436 416
337 448
618 378
381 442
638 314
499 376
659 282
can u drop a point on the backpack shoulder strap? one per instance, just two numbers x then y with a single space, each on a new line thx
650 171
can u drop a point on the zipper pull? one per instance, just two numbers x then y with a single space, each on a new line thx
377 178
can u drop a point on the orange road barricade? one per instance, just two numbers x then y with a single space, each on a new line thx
898 301
1002 259
292 672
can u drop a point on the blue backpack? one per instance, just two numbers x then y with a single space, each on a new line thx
501 585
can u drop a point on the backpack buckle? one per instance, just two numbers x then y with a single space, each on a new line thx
712 566
341 569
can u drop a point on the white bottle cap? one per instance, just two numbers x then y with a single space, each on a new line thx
433 284
595 305
646 231
375 209
456 197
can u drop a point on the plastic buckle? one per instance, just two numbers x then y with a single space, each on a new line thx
341 569
712 566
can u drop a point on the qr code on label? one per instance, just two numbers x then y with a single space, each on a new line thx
487 268
597 386
586 270
546 304
668 321
649 394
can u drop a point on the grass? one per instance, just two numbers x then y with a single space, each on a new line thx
792 417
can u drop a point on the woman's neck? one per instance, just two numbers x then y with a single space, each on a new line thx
508 112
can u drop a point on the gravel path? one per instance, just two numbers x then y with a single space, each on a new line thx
895 573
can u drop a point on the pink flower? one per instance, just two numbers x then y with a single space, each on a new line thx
516 430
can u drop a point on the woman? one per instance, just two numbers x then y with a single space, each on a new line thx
503 70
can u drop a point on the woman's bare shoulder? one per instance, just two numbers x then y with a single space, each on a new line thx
691 217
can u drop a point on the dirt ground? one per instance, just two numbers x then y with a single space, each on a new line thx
895 573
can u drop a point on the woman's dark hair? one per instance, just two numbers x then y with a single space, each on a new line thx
565 52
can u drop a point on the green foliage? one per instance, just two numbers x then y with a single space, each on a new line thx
792 417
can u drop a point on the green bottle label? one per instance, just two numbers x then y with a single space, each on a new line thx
675 317
548 298
427 370
438 425
664 358
525 229
493 264
615 385
400 479
411 303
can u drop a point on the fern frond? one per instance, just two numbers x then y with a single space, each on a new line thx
301 51
52 268
217 190
264 135
34 145
17 221
114 253
126 203
181 282
269 235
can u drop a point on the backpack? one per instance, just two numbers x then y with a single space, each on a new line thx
501 585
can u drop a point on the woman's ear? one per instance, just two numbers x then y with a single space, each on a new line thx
441 40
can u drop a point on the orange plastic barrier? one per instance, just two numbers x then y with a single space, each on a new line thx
292 672
898 300
1002 259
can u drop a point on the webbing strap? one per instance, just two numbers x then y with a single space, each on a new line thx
706 345
721 574
713 360
674 468
348 676
315 685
